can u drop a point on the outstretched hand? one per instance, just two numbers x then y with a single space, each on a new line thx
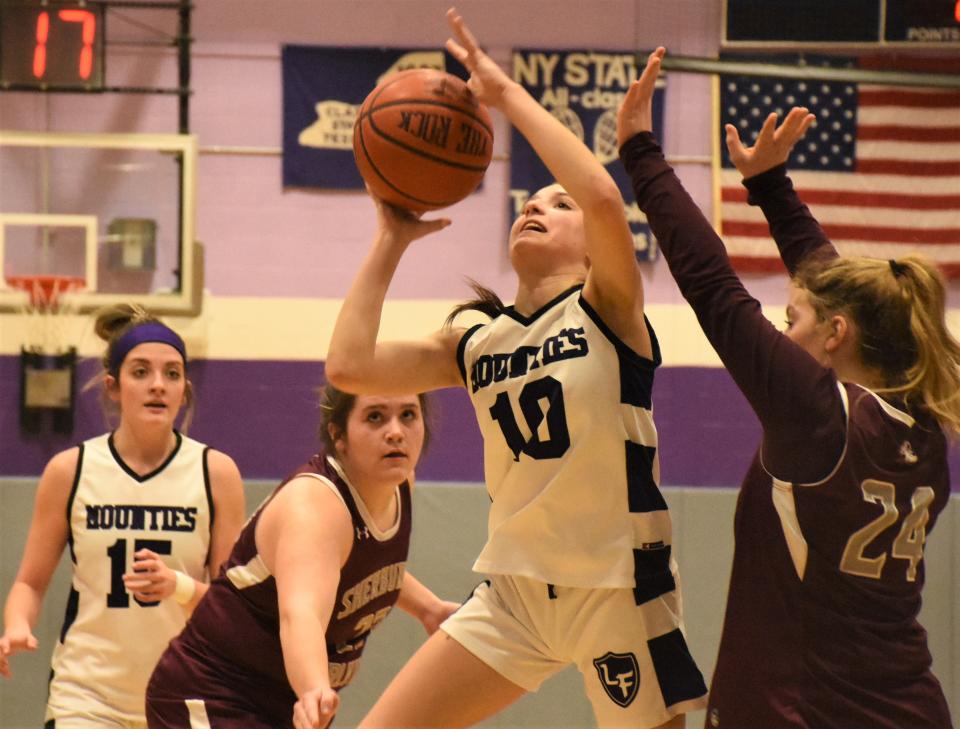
487 80
636 112
773 144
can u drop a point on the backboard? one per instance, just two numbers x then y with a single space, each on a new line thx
117 210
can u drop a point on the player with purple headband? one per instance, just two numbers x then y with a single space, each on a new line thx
854 398
148 513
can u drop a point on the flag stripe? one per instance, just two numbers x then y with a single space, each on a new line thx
810 180
749 264
861 199
919 168
760 248
880 96
921 151
873 115
889 234
909 134
881 217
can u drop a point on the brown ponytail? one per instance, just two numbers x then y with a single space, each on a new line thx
486 302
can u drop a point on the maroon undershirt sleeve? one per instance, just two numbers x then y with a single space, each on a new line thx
795 398
796 232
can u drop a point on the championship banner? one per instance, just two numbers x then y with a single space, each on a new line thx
583 89
880 169
323 89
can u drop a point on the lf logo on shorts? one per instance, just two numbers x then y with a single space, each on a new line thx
619 675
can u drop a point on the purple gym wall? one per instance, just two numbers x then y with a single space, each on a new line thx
264 242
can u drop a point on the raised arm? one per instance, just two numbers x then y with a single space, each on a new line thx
45 542
356 362
613 285
763 166
795 398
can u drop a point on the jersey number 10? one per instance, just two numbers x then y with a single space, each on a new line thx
558 437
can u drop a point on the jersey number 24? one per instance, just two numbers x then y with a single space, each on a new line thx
909 542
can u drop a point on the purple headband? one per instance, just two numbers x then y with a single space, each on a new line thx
149 331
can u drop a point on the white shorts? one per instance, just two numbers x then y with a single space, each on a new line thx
634 660
93 720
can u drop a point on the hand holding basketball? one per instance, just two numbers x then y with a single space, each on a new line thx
401 226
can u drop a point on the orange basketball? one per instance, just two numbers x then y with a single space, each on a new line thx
422 141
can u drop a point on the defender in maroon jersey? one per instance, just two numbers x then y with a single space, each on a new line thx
318 566
821 626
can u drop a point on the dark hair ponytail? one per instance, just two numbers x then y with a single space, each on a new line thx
486 302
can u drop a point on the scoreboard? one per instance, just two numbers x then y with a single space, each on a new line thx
927 23
51 44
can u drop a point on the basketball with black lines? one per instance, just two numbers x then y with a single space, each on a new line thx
422 140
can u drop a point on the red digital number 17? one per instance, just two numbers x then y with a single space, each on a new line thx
89 30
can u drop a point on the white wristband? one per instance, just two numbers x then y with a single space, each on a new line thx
184 589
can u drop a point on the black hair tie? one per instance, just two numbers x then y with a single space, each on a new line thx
897 269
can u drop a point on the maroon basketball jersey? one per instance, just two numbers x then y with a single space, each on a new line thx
231 644
821 626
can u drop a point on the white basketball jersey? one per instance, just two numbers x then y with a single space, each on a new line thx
110 642
570 450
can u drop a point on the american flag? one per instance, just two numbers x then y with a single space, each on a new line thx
880 169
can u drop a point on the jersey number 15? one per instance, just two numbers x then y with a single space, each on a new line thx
118 597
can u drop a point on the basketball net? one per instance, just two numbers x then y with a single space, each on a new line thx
47 310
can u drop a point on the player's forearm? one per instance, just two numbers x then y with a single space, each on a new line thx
796 232
22 607
303 640
572 164
352 350
416 598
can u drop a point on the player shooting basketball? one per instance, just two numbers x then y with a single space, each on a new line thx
579 544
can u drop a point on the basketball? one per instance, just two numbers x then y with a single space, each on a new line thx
422 141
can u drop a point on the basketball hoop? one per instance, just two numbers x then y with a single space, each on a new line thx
45 290
47 364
